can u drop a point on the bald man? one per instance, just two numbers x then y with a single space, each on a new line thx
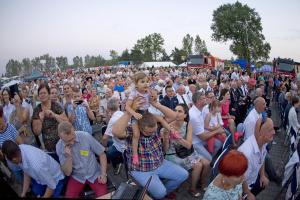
254 148
254 114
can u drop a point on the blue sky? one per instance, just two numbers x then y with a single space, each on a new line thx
30 28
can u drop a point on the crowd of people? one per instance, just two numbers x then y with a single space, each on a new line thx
159 122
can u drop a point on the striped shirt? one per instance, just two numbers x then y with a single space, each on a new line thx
150 152
40 166
10 133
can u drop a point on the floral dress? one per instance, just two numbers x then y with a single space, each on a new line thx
215 193
187 162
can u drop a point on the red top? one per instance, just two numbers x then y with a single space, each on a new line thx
225 111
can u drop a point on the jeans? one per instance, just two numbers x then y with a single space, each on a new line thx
16 171
174 174
200 149
114 156
255 187
39 190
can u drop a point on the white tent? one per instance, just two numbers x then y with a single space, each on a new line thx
13 82
157 64
184 64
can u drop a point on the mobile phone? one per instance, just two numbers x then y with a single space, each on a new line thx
78 102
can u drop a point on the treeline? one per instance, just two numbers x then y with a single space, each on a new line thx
149 48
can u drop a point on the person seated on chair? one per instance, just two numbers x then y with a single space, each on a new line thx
76 151
255 150
150 150
200 135
228 183
115 147
40 169
195 162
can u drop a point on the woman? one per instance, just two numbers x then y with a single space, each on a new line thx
197 163
228 183
46 117
8 108
54 96
21 120
228 119
86 94
94 102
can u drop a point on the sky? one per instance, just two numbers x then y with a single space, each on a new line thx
30 28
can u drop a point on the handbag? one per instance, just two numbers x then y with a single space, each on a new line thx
183 152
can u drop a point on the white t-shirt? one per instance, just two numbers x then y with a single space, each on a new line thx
250 122
119 144
197 122
255 158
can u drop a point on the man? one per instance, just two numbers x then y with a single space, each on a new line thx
192 90
40 169
152 162
169 100
254 114
79 113
235 74
254 148
182 97
196 114
76 151
103 104
26 101
116 147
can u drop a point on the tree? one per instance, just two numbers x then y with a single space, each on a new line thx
178 56
241 25
27 66
114 57
157 43
125 56
77 62
62 62
165 57
13 68
187 44
200 46
136 55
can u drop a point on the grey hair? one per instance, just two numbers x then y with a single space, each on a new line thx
113 104
196 96
64 127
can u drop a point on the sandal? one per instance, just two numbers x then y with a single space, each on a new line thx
194 193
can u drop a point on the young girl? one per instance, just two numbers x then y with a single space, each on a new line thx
213 121
141 90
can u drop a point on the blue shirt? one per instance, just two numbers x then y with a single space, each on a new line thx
119 88
10 133
82 122
85 165
40 166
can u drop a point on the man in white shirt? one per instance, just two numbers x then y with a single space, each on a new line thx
182 97
254 148
115 147
41 171
252 117
196 119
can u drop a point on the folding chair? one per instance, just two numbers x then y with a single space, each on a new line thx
228 142
215 167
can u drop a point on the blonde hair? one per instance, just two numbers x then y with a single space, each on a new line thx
138 76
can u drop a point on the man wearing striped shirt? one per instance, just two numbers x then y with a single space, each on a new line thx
40 169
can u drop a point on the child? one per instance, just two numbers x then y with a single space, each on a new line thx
213 121
141 90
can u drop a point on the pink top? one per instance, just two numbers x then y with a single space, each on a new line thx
225 111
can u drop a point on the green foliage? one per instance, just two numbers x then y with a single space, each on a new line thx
200 46
187 44
13 68
178 56
125 56
62 62
241 25
77 62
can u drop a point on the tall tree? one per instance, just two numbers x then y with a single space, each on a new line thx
125 56
187 44
178 56
157 42
77 62
200 46
62 62
27 66
136 55
13 68
242 25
